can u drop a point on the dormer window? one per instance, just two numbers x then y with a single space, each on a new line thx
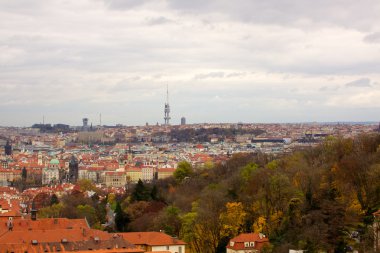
232 243
252 244
246 244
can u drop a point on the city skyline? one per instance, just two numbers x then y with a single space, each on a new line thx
282 61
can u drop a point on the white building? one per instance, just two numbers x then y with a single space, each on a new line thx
155 241
88 174
148 173
50 175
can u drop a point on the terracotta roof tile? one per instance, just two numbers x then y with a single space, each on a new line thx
151 238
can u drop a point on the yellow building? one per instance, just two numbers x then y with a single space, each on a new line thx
115 179
9 176
165 172
133 174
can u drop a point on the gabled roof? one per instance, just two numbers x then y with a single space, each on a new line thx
238 242
151 238
52 234
249 237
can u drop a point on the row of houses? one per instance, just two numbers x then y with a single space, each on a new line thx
29 234
109 176
118 178
24 235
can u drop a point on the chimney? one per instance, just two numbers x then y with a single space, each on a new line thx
10 224
33 212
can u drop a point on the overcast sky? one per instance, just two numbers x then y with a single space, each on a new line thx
224 61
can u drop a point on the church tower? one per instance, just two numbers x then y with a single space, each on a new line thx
8 149
39 158
73 170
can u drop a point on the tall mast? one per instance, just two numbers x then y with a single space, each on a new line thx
167 107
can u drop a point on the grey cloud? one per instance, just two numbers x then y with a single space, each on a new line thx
236 74
362 82
357 14
135 84
123 4
210 75
328 88
372 38
61 52
158 21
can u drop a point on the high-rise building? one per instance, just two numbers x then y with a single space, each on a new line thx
73 170
167 107
85 122
183 121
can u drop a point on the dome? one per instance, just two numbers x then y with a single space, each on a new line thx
54 162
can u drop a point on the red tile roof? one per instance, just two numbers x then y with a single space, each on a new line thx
151 238
237 243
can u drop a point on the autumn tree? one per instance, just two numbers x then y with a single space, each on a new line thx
183 171
232 219
169 220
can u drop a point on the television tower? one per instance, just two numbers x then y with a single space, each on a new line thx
167 107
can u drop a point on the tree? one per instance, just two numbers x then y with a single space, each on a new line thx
154 193
121 218
232 219
88 212
183 170
86 185
24 174
247 171
54 211
189 230
169 220
141 192
54 199
207 224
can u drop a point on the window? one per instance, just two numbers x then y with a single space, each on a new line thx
180 249
167 247
246 244
252 244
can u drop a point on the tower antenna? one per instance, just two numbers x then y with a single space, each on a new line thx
167 107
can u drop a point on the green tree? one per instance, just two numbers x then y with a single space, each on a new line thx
141 192
154 193
54 211
183 170
169 220
190 232
24 174
54 200
247 171
88 212
121 218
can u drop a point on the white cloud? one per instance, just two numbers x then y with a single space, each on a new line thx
267 61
